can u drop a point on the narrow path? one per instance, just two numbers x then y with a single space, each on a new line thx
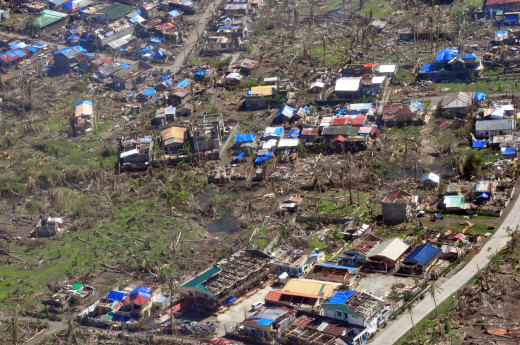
448 286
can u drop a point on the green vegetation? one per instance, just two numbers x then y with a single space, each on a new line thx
403 77
429 322
314 242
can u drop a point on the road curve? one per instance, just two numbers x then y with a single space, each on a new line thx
448 286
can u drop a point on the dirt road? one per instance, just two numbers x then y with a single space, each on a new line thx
448 286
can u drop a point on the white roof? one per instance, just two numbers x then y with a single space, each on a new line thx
348 84
120 41
317 84
432 177
378 80
386 69
288 142
129 153
391 249
270 79
234 75
269 144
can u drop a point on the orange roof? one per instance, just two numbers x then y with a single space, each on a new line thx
277 294
368 65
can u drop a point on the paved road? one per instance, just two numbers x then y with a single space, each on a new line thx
53 327
449 286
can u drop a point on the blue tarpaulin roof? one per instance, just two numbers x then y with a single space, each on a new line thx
510 18
446 55
156 39
293 133
13 45
483 195
469 56
165 77
20 52
167 82
240 155
423 254
286 111
32 49
341 112
264 322
183 83
89 54
71 37
350 269
508 150
39 45
480 96
428 68
227 27
201 72
230 300
143 291
276 131
244 138
119 318
227 20
124 65
341 297
83 102
174 13
149 92
261 159
479 144
115 296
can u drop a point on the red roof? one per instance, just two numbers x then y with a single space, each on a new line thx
302 322
182 304
349 120
139 300
334 330
500 2
338 138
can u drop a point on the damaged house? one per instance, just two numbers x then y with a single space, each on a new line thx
451 66
206 134
296 263
135 152
229 279
47 227
84 116
355 307
173 139
387 255
401 114
269 323
396 206
131 76
419 261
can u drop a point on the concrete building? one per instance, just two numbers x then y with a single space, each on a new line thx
228 279
396 206
418 262
131 76
387 254
296 263
269 323
356 308
491 128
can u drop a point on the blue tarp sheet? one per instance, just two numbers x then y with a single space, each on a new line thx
483 195
341 297
156 39
446 55
244 138
119 318
508 151
264 322
227 20
417 105
32 49
39 45
469 56
81 102
341 112
286 111
480 96
350 269
115 296
20 53
71 37
89 54
293 133
167 82
479 144
183 83
277 131
13 45
423 254
201 72
143 291
227 27
165 77
239 156
159 53
174 13
428 68
261 159
230 300
124 65
510 18
149 92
